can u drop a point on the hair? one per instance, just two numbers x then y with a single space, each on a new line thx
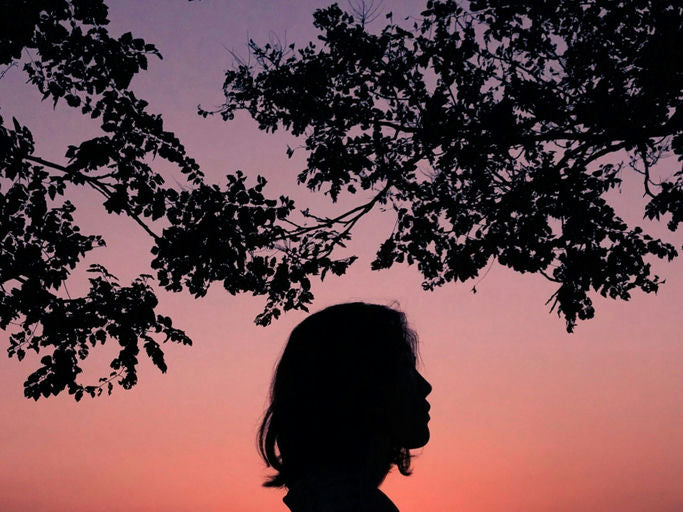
333 396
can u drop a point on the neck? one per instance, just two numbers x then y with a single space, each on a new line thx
336 491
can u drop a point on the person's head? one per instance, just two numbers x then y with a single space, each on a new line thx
346 397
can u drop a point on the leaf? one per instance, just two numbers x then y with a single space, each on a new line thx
156 354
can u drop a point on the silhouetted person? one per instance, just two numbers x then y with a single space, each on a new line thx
347 403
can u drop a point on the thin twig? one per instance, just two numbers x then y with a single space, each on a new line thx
95 184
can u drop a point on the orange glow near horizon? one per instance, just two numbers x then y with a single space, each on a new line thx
524 415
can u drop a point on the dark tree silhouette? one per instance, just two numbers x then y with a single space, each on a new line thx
493 131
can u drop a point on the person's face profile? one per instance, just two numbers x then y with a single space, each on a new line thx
413 407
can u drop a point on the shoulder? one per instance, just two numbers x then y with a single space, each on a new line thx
377 501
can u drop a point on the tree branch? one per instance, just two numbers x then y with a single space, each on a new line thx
95 184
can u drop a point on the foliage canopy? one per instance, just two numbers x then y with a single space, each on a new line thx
492 131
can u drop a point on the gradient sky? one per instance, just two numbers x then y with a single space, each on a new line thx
524 416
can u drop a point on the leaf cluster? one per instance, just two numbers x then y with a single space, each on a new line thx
72 58
233 234
494 131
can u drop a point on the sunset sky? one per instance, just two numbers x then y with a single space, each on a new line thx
525 417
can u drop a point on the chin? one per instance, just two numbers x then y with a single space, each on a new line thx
419 440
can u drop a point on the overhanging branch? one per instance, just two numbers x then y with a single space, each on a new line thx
96 184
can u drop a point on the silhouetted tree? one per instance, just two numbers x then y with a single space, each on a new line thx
492 131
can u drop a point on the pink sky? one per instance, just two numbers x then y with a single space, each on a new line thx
524 416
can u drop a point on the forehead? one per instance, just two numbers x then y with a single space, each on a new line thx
407 356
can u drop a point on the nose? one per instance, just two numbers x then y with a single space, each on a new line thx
426 386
